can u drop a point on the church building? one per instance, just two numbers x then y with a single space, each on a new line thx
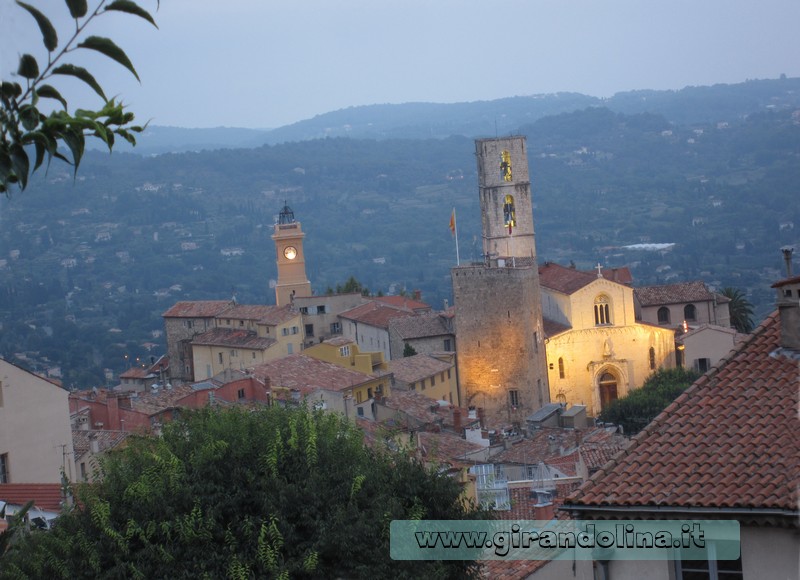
597 350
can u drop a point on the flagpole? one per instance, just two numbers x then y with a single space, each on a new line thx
455 225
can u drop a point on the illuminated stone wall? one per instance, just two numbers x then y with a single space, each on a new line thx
500 341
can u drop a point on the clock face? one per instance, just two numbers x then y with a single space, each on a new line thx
290 252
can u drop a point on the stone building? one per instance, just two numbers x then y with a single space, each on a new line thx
596 349
498 316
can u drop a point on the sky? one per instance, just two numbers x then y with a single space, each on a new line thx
264 64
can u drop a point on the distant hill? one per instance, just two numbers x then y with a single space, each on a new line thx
691 105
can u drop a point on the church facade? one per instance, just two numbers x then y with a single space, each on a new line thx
596 349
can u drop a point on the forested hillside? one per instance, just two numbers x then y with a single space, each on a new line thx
88 266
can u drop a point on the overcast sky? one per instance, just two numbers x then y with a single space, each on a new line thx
264 63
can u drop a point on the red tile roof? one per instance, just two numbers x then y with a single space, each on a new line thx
197 309
552 442
308 374
563 279
375 314
732 440
45 496
106 439
403 302
233 338
411 369
135 373
422 326
621 275
676 294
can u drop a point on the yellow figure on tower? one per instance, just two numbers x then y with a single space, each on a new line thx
509 214
505 165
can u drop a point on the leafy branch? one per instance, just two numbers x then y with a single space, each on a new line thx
24 126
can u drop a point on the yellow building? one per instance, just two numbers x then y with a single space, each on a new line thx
428 375
345 353
298 378
35 432
245 336
596 350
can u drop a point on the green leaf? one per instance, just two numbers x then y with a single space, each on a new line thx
126 135
21 164
49 92
43 143
81 73
29 115
11 90
49 35
77 8
107 47
28 67
76 143
131 8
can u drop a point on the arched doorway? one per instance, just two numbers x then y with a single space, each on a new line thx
607 384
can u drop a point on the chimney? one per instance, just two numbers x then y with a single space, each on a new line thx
94 444
788 302
482 417
417 295
787 258
457 420
544 512
113 412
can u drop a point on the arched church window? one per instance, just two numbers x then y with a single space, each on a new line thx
608 389
602 310
505 165
689 312
663 315
560 368
652 358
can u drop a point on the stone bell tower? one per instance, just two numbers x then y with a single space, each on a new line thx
498 313
292 279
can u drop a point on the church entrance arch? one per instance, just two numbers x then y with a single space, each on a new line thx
607 384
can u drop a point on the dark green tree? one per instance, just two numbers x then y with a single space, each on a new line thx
409 350
22 122
275 493
634 411
740 309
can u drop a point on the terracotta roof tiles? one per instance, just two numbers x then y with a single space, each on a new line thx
306 374
197 309
233 338
676 294
422 326
375 314
563 279
411 369
45 496
732 440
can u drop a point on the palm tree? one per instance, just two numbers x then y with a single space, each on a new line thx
740 309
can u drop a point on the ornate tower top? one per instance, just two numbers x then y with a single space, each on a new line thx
287 215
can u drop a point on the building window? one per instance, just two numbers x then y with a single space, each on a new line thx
321 309
709 569
285 331
289 348
441 377
652 358
369 392
561 373
447 345
336 327
241 323
602 311
535 342
344 350
448 373
433 380
4 476
304 310
294 330
309 330
361 411
234 354
690 312
702 365
254 355
505 166
422 385
188 324
513 397
663 315
412 386
240 394
219 354
228 321
359 397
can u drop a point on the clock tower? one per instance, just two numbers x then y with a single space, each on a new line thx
292 280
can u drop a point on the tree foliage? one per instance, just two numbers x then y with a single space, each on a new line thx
740 309
24 125
236 494
634 411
